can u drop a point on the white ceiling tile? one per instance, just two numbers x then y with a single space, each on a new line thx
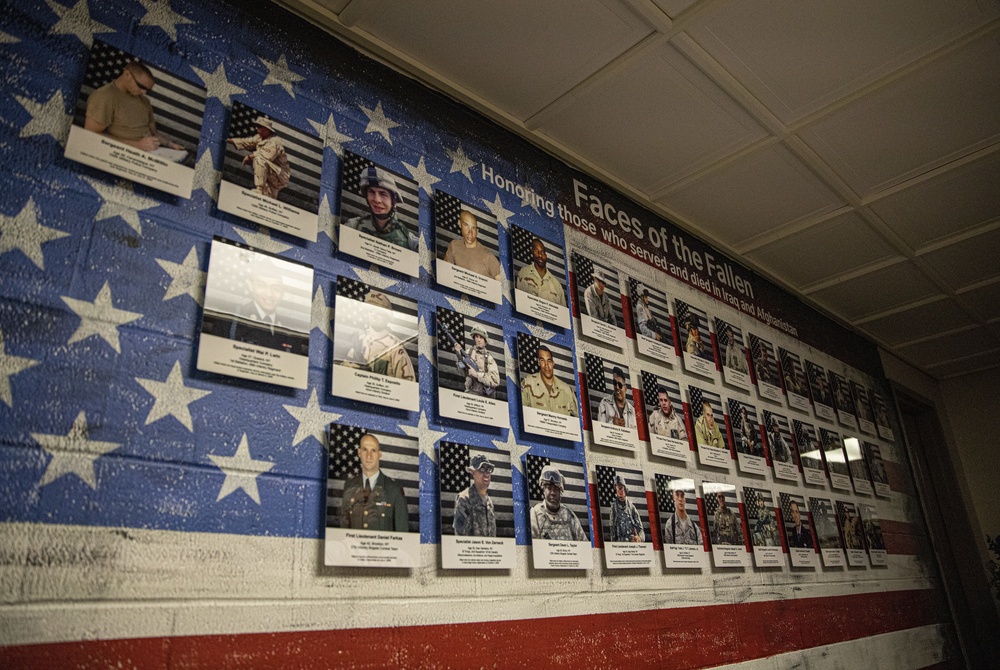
949 347
923 321
938 113
971 365
797 57
520 54
967 262
752 195
957 200
878 291
335 6
628 111
985 300
825 250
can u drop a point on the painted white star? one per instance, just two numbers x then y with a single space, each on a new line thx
8 39
278 73
76 21
159 15
463 306
121 201
11 365
262 240
511 372
424 435
498 210
73 453
206 177
313 420
171 397
332 137
540 331
241 471
373 277
516 450
425 254
218 85
186 278
424 179
23 233
328 221
378 122
47 118
425 344
322 314
100 318
460 162
506 285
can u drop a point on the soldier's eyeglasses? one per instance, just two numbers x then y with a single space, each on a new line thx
619 385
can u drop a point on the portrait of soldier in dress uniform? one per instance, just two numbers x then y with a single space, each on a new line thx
373 500
797 531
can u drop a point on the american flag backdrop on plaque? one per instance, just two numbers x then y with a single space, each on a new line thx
752 431
454 460
825 522
353 315
665 486
636 493
833 451
842 393
446 210
873 528
574 495
753 499
601 382
449 376
400 461
698 397
856 460
178 105
818 384
520 246
583 270
861 402
764 370
791 368
728 491
772 420
786 500
688 317
723 326
352 203
651 388
873 454
808 445
527 359
658 307
847 515
304 151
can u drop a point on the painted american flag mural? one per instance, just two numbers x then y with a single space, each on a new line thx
170 504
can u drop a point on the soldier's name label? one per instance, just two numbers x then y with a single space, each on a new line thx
883 490
250 361
856 558
769 391
267 211
541 309
786 471
695 364
840 481
823 411
369 548
768 557
683 556
617 437
467 281
628 555
598 330
799 402
471 407
729 556
561 555
356 384
814 476
847 419
866 426
833 558
120 159
551 424
752 464
381 252
716 457
802 557
661 352
862 486
670 447
477 553
736 378
879 557
885 432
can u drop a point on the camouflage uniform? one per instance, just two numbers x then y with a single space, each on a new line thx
546 288
677 531
563 525
485 381
852 536
395 232
765 530
474 514
385 355
561 399
271 172
599 306
727 527
625 522
607 412
673 427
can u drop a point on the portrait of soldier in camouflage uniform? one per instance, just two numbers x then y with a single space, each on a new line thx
727 528
379 188
626 526
379 350
474 514
483 378
550 519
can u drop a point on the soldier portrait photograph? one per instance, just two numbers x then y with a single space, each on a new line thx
470 355
650 315
664 409
798 533
706 425
539 269
466 236
722 509
476 499
551 518
678 505
622 499
598 295
733 353
547 376
695 339
758 504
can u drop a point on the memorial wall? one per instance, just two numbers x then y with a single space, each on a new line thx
302 363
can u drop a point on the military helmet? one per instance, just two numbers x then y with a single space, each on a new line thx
376 176
551 475
478 330
378 298
480 462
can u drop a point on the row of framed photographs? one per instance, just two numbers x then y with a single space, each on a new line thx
373 513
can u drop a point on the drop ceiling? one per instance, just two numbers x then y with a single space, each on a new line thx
848 150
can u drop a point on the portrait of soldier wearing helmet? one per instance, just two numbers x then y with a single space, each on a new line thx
550 519
266 157
382 193
476 363
625 523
